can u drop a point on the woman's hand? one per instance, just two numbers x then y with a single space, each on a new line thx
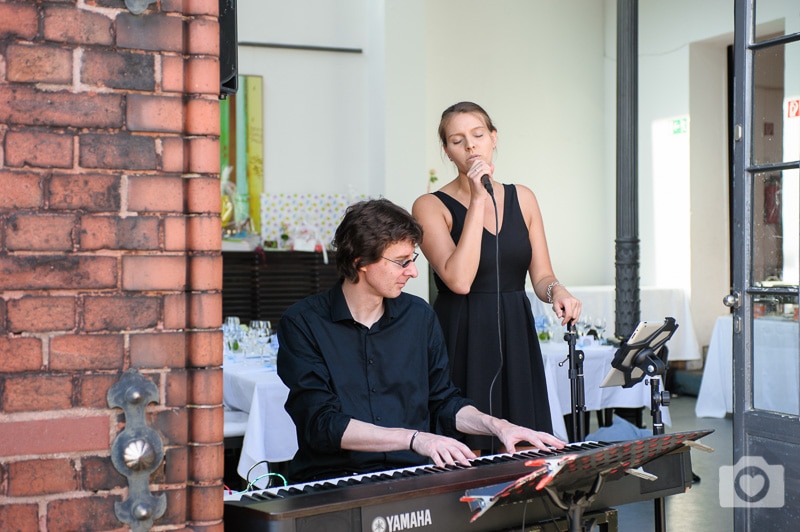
565 305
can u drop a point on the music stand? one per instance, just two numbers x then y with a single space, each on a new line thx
573 480
645 355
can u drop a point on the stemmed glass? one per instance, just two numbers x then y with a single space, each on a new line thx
583 325
599 325
260 337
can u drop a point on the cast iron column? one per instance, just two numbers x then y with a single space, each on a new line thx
627 243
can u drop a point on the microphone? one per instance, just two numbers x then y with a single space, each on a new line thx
487 184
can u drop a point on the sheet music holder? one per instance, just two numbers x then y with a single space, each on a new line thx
572 481
644 354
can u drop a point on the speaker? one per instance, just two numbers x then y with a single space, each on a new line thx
228 48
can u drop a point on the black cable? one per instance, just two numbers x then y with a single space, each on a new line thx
497 279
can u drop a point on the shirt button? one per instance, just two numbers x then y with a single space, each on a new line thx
378 418
371 361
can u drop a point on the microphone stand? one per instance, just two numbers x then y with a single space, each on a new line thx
576 385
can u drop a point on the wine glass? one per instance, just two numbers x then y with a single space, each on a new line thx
583 325
599 325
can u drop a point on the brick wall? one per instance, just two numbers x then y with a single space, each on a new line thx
109 256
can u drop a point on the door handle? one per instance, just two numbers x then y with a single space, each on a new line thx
732 300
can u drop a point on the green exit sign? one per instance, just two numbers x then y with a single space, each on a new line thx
679 126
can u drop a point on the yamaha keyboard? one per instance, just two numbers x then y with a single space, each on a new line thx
428 497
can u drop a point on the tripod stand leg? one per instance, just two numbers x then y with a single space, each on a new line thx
660 515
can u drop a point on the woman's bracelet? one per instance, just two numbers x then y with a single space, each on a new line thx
411 443
550 290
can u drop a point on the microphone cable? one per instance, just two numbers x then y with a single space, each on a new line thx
485 180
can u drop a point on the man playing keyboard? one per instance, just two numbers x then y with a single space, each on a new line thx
366 364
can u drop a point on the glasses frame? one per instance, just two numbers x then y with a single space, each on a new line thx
406 263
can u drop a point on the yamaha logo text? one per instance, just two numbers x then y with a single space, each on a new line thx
404 521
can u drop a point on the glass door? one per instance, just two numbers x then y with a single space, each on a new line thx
764 481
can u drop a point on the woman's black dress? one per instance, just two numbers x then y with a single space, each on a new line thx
503 374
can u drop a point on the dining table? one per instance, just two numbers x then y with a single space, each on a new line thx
776 371
253 386
656 303
597 358
250 385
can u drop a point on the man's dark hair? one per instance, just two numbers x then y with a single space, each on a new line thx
367 229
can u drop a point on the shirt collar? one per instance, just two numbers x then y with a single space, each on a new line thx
341 312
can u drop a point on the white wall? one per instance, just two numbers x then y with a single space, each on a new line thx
545 71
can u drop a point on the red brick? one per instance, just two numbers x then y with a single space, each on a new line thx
176 392
111 232
92 390
98 232
204 503
196 7
71 25
123 151
74 514
155 194
173 425
203 156
33 393
206 462
141 272
87 192
202 76
205 310
175 311
58 435
40 232
203 195
155 113
118 70
205 425
158 350
204 38
98 473
84 352
39 148
176 465
202 117
175 233
18 517
150 31
205 387
39 64
25 105
203 233
20 354
174 154
41 476
37 314
18 20
120 313
205 349
176 509
172 72
205 272
19 190
58 272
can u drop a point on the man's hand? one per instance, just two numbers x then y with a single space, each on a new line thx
510 435
442 450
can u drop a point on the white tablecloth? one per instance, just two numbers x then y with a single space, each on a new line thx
270 435
775 368
596 364
655 305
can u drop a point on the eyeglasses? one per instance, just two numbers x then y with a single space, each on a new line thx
406 263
